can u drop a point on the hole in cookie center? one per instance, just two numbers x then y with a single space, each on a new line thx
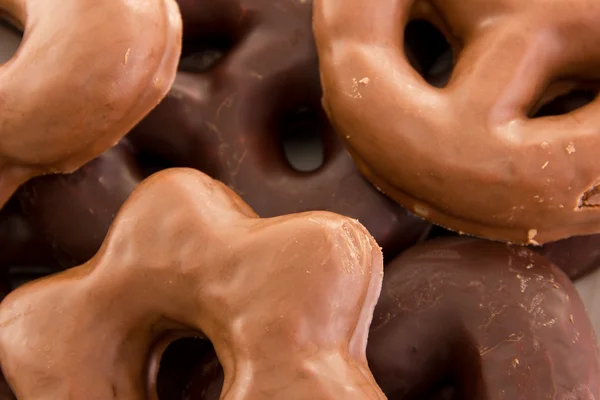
10 40
302 139
554 104
428 51
189 369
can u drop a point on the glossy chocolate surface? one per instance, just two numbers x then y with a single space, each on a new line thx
5 392
64 103
249 79
20 244
576 256
73 212
476 320
286 301
475 156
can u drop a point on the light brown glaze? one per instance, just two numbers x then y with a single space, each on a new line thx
5 392
85 73
467 156
286 301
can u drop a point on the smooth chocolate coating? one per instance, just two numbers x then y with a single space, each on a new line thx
5 392
227 117
286 301
468 156
73 212
487 320
20 245
576 256
83 76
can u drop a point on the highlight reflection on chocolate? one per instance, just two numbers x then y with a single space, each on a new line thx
486 155
248 88
484 320
186 253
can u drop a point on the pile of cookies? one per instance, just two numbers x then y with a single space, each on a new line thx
298 199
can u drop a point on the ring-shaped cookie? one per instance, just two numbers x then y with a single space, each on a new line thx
229 117
85 73
467 156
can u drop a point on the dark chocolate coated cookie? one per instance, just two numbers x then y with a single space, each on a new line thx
20 245
74 211
248 80
577 256
478 320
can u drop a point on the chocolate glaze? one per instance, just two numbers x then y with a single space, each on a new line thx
285 301
73 212
489 320
470 156
227 117
576 256
20 245
5 392
64 103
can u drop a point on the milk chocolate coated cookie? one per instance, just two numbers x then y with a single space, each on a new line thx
285 301
469 156
73 212
480 320
5 392
82 78
19 244
248 78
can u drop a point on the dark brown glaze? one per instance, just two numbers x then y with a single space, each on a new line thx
489 321
73 212
576 256
20 245
227 117
285 301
